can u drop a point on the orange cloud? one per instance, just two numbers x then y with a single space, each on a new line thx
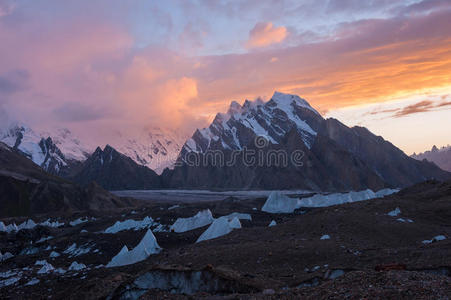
265 34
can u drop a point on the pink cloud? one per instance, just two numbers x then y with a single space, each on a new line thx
264 34
87 73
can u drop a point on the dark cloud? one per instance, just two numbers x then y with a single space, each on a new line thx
79 112
419 107
422 106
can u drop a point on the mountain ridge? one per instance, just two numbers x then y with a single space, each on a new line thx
243 125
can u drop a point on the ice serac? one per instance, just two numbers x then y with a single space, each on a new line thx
201 219
279 203
220 227
146 247
320 200
130 224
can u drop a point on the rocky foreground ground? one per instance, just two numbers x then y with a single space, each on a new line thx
348 251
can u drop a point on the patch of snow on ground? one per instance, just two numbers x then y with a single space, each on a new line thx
130 224
29 224
273 223
75 266
46 268
7 274
49 223
43 239
78 221
54 254
394 212
404 220
435 239
5 256
279 203
33 281
201 219
219 227
9 281
146 247
73 250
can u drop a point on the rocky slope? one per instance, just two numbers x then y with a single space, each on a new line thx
441 157
26 189
115 171
321 154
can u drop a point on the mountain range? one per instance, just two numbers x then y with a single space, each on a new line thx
335 157
61 153
329 155
441 157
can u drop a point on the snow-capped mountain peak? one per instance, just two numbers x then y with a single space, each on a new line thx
242 123
286 101
52 152
154 147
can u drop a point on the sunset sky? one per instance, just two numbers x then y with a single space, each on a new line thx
97 66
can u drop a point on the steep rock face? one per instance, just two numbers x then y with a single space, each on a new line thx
386 160
115 171
323 167
441 157
334 157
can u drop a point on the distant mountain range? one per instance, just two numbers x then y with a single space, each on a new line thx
61 153
329 156
441 157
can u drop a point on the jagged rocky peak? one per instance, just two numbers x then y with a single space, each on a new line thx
242 123
235 108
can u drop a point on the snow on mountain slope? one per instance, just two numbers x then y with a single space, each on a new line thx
154 148
70 145
441 157
50 151
243 123
23 138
